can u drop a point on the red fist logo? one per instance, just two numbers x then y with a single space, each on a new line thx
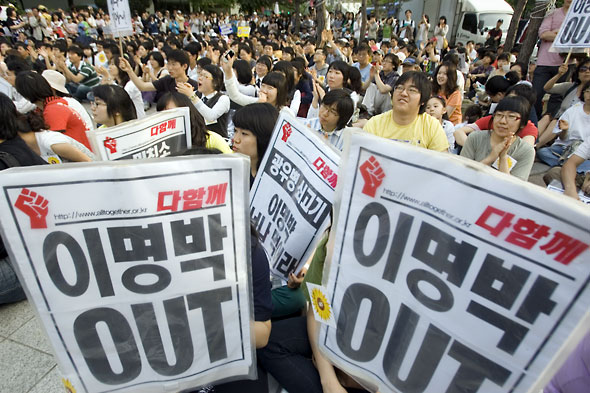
287 130
372 175
34 206
110 144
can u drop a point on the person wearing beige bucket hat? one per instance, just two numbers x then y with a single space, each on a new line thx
58 83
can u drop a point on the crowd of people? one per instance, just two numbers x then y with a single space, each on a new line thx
406 81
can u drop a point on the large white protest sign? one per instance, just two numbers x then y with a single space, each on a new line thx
139 271
226 29
575 29
121 24
158 135
292 194
446 276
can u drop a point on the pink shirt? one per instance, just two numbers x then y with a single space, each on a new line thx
550 23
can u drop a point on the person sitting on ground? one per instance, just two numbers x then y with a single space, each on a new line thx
500 147
200 136
112 106
114 74
377 98
407 121
210 102
334 112
15 152
528 134
572 129
53 147
445 85
570 91
571 176
58 115
81 76
437 108
177 65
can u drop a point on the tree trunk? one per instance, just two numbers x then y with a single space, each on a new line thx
532 34
363 20
376 7
297 16
512 29
320 14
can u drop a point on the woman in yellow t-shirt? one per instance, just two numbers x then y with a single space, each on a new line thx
445 86
200 136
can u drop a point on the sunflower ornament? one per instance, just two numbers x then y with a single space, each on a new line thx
322 310
68 385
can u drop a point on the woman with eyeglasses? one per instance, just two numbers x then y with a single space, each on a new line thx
112 106
570 91
211 103
500 147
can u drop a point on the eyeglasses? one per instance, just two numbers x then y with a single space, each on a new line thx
584 69
94 104
410 90
509 116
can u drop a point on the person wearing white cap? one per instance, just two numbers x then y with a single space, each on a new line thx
58 83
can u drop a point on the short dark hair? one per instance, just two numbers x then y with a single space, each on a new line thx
179 56
576 74
203 61
524 69
245 47
421 82
266 60
157 56
497 84
117 100
193 48
344 105
365 48
75 49
60 45
503 56
394 60
259 119
278 81
33 86
523 90
243 71
8 118
217 75
516 104
148 45
491 55
17 65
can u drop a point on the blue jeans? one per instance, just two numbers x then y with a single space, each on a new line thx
287 357
550 156
78 91
10 289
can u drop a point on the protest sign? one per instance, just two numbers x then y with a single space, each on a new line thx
447 276
226 29
244 31
158 135
139 271
292 194
121 24
556 186
575 29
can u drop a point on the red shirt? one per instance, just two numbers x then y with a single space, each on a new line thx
486 123
60 117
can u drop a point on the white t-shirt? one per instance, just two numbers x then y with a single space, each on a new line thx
135 95
584 150
578 125
46 139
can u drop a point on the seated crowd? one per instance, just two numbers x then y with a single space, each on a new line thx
471 100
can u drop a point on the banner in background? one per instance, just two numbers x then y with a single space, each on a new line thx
139 271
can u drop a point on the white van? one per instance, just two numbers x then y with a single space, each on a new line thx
477 17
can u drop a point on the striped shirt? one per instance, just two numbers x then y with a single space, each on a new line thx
90 76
